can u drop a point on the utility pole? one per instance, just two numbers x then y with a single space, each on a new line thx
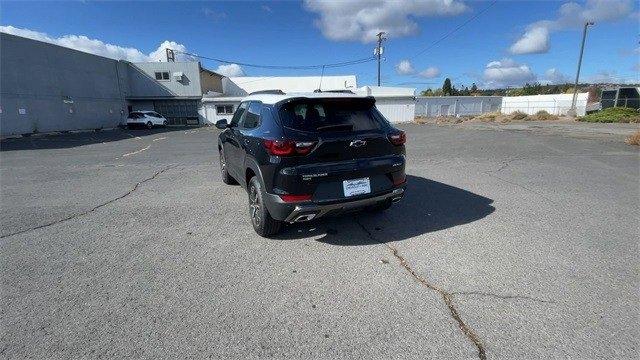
171 57
572 111
379 50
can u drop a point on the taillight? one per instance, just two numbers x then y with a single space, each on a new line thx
295 198
399 179
398 139
288 147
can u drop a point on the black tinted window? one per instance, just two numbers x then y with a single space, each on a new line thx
238 114
331 115
252 119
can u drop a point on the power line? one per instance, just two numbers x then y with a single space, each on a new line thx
283 67
454 30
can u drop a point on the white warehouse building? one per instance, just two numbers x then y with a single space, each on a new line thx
396 104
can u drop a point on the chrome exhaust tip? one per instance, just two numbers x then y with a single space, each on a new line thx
303 218
396 199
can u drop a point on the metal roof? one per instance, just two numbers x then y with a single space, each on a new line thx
290 84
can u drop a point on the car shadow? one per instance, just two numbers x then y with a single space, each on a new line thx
427 206
74 139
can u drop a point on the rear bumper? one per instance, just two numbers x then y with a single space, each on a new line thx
304 211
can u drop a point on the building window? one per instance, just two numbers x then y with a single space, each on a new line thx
224 109
162 75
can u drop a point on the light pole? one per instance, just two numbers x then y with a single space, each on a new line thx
572 111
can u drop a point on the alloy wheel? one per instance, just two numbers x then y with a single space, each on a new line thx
223 163
254 206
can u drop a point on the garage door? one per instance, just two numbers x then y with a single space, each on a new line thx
178 112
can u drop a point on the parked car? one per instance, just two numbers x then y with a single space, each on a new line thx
148 119
304 156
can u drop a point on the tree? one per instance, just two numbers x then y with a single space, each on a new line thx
447 89
474 88
427 92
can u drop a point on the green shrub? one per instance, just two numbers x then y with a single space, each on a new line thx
615 114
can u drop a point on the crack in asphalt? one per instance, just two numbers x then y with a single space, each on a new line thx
446 296
503 297
74 216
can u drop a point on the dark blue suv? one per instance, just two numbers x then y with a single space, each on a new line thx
305 156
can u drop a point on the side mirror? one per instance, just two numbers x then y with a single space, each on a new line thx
222 124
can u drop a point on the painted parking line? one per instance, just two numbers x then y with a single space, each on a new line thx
137 151
160 138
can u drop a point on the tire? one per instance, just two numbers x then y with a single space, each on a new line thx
165 123
226 178
262 222
381 206
149 125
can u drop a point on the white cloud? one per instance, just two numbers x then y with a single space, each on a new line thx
553 76
507 72
405 67
570 16
361 20
430 72
230 70
534 41
266 8
97 47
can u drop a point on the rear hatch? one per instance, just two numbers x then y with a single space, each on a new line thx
349 140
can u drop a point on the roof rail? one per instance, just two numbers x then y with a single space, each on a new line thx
273 92
339 91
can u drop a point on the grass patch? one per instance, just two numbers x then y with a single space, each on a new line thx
488 117
519 115
633 139
613 115
422 120
544 116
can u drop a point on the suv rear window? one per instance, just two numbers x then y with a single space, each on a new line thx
314 115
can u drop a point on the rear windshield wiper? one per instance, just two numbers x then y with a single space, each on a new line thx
346 127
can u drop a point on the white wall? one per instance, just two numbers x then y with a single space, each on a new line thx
397 110
397 104
292 84
386 91
556 104
208 112
456 105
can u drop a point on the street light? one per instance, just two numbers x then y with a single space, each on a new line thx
572 111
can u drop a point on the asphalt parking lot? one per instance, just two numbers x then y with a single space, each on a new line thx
509 244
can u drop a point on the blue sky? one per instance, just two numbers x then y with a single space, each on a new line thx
510 43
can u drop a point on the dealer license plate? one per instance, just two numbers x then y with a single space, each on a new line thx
356 187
